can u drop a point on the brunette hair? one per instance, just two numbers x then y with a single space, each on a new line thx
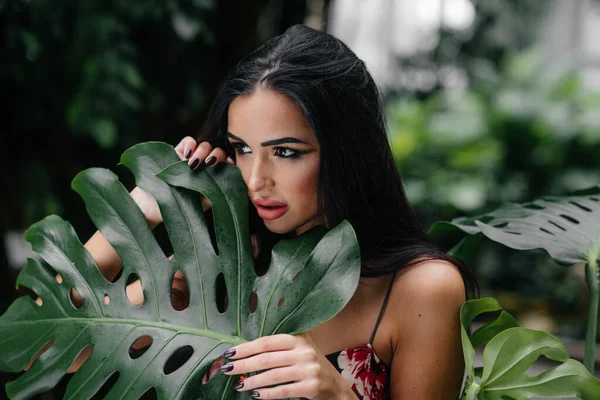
359 180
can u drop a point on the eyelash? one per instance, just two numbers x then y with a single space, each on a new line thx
238 147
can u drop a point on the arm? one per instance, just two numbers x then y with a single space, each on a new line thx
428 359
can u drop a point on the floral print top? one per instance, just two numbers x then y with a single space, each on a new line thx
366 374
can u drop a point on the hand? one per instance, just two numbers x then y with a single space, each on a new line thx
188 149
291 362
196 153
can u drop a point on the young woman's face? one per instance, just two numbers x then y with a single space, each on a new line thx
278 154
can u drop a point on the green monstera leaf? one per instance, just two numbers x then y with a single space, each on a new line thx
568 228
509 353
310 279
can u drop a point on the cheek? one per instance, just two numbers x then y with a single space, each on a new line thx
302 185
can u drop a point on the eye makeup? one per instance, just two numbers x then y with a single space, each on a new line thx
278 151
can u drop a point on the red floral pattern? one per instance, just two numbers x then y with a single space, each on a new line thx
365 373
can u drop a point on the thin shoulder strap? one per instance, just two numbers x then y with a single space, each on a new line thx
385 300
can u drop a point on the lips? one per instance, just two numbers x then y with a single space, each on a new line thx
270 209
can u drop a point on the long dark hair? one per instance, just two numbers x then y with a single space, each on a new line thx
358 178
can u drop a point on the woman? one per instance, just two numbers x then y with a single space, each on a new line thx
301 118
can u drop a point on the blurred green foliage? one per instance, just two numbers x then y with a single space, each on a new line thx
532 129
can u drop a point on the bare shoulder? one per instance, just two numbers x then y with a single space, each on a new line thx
427 291
430 279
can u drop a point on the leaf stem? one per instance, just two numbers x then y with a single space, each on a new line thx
472 391
592 279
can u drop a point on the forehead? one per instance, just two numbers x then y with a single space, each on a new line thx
265 114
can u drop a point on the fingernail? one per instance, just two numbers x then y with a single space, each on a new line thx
254 393
229 353
194 163
210 160
238 385
226 367
188 153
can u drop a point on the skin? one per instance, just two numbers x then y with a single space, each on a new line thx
419 336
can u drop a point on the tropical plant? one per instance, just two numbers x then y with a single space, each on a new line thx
509 353
309 280
568 228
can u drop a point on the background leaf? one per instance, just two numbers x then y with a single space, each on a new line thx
566 227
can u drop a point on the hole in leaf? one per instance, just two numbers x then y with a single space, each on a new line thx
297 276
281 301
140 346
118 276
177 359
558 226
81 358
58 279
570 219
36 299
210 226
134 290
108 385
76 298
584 208
180 292
253 302
162 238
212 370
533 206
500 225
106 299
39 353
149 394
221 293
547 231
594 199
132 278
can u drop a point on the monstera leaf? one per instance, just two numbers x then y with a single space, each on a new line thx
309 280
510 351
568 228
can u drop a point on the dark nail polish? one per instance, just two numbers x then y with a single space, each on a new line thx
194 163
210 160
226 367
254 393
188 154
229 353
238 385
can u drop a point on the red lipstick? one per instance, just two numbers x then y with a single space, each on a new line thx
270 209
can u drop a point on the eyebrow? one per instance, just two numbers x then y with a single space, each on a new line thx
273 142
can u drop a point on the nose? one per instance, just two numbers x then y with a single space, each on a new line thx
260 176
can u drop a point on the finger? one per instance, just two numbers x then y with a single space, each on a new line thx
260 362
216 156
268 378
199 155
296 389
186 147
261 345
230 161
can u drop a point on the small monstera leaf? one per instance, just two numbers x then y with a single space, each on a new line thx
509 352
309 280
568 228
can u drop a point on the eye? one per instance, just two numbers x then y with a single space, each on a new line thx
240 148
286 152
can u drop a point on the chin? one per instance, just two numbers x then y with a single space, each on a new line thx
278 228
